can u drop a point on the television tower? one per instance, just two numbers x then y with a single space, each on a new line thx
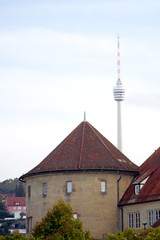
119 93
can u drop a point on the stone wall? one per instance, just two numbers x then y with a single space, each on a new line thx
98 211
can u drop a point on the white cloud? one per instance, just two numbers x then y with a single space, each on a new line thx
47 44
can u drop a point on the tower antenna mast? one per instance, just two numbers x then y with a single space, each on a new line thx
118 59
119 93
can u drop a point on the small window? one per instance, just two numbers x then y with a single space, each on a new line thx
137 220
150 218
29 224
44 189
130 220
157 214
75 215
103 186
19 208
29 191
137 189
69 187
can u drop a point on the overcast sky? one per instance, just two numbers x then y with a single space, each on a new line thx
58 59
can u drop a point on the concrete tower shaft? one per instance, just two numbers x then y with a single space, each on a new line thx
119 94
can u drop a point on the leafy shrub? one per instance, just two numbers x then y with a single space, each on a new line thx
59 224
133 234
16 237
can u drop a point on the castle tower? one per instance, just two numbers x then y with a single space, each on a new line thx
119 93
88 172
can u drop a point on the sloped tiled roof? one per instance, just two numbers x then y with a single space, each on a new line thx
84 149
151 189
15 201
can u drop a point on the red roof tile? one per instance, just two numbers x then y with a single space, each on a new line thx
84 149
15 201
151 189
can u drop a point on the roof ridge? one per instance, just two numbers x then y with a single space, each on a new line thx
106 146
150 158
82 141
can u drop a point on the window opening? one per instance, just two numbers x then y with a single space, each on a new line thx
137 220
29 191
69 187
29 224
157 214
137 189
130 220
103 186
44 189
75 215
150 218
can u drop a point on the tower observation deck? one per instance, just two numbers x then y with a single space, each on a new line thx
119 93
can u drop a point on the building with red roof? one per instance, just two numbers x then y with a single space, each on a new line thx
141 202
85 170
15 205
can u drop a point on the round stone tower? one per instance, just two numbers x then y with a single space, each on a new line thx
85 170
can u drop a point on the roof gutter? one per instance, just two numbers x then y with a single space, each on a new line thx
77 171
139 202
21 179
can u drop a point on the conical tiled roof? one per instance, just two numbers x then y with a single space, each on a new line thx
84 149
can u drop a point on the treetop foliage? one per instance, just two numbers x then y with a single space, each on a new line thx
12 186
59 224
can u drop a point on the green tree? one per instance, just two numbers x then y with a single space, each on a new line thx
12 186
20 191
3 212
2 204
59 224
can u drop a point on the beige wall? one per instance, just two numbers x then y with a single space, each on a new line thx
98 211
143 208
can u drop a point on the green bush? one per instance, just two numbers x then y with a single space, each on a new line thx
16 237
133 234
59 224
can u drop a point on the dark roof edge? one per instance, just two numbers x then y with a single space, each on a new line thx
145 201
78 171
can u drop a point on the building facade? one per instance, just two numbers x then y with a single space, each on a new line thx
141 201
15 205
